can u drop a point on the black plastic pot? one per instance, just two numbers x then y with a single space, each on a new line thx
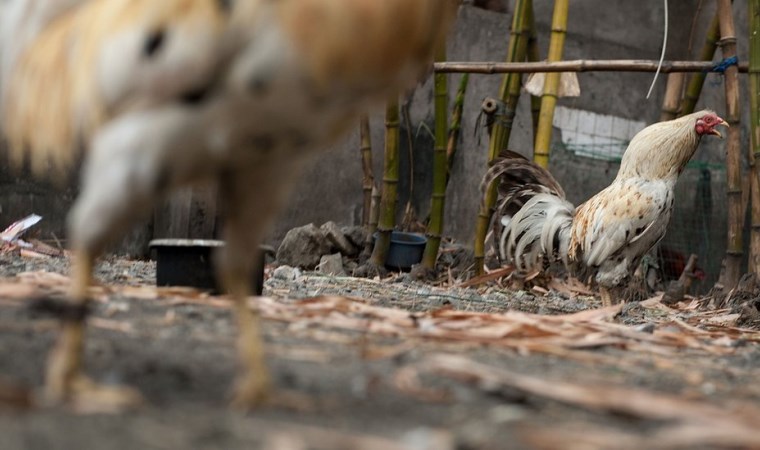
406 250
189 262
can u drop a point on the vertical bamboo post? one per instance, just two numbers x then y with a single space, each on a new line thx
368 182
534 55
509 94
672 97
734 252
697 80
754 153
440 166
389 196
455 127
551 84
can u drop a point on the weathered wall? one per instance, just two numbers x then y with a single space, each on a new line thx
598 29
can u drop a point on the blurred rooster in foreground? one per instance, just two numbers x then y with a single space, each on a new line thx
608 234
163 93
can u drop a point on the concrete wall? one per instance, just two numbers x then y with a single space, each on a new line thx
598 29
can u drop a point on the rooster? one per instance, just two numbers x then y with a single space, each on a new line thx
161 94
607 235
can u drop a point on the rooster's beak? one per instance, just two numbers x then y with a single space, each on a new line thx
716 132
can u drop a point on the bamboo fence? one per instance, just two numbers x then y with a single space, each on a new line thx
734 250
551 85
509 93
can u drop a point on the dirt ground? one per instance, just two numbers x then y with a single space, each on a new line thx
387 364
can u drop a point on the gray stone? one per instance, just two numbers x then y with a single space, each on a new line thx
303 247
332 265
286 273
335 235
357 235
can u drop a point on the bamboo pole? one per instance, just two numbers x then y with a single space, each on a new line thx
368 182
579 65
389 196
697 80
551 84
455 127
440 166
509 93
672 97
734 252
754 153
534 55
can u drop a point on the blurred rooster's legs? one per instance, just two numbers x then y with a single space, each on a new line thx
65 383
252 385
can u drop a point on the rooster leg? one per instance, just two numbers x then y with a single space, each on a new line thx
65 382
252 197
116 191
606 296
252 385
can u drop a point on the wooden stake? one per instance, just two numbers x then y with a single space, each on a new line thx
551 85
754 151
509 94
534 55
440 167
368 182
672 97
734 252
697 80
389 196
579 65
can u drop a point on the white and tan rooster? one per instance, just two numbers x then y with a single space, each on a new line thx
608 234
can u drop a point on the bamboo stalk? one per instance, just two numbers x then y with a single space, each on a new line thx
389 196
697 80
734 252
440 166
368 182
672 97
455 127
754 153
509 93
579 65
534 55
551 84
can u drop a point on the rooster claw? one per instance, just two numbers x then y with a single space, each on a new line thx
84 396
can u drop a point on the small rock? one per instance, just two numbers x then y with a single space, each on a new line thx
646 328
286 273
332 265
335 235
303 247
357 235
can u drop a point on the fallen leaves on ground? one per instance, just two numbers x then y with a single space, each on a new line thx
661 333
669 329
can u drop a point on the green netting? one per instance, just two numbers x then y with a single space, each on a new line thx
612 151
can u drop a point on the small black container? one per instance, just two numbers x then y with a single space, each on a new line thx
406 250
189 262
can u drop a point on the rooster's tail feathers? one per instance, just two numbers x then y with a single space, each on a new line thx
541 228
532 217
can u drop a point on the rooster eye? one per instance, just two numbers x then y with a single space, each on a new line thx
154 42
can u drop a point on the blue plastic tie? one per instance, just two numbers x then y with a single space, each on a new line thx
721 66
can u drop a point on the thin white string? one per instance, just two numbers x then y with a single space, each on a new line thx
664 47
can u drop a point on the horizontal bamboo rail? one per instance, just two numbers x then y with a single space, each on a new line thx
583 65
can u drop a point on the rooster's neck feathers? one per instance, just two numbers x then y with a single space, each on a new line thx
660 151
